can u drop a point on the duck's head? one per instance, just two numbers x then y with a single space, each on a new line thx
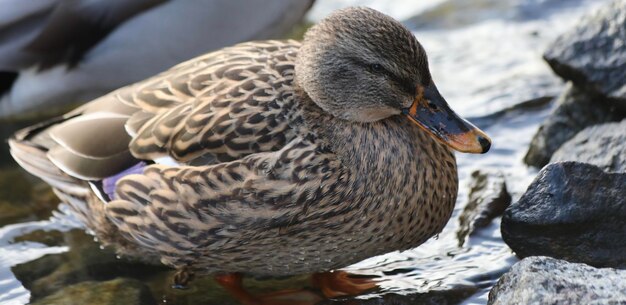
363 66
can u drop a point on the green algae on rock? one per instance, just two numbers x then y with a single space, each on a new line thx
128 291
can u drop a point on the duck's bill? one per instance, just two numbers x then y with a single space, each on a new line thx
431 112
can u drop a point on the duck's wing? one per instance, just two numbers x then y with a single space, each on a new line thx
218 107
223 106
186 212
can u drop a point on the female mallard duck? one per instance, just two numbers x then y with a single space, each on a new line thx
267 158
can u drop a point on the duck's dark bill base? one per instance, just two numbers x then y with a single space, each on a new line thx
431 112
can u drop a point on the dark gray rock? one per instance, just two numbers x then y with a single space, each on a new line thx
118 291
544 280
601 145
593 54
488 198
576 110
572 211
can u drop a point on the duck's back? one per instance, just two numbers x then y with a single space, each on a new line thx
215 108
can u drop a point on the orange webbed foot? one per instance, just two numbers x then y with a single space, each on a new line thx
336 284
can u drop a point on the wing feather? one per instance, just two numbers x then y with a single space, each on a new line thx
219 107
84 135
227 104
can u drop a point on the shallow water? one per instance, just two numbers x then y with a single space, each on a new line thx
485 56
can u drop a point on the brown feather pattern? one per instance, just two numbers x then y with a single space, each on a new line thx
268 182
228 104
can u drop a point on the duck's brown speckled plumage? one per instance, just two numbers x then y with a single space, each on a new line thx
269 183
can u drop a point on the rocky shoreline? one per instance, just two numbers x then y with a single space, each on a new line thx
569 227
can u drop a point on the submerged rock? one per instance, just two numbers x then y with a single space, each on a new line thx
118 291
14 213
593 54
601 145
544 280
83 262
488 198
576 110
23 199
50 238
573 211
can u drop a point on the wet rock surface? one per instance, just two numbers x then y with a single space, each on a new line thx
118 291
601 145
573 211
544 280
576 110
488 198
593 54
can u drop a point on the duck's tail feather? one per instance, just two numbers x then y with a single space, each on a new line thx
29 147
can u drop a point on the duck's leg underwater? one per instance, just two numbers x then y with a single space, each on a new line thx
233 284
332 285
182 278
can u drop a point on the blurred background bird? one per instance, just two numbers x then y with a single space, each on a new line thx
57 53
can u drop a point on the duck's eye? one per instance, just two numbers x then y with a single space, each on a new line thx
376 67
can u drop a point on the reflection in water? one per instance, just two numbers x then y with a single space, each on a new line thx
454 14
14 253
483 61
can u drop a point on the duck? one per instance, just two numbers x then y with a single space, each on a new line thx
58 53
266 158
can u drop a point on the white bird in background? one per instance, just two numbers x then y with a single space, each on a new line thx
59 52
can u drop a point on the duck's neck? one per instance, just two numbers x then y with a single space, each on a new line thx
393 148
